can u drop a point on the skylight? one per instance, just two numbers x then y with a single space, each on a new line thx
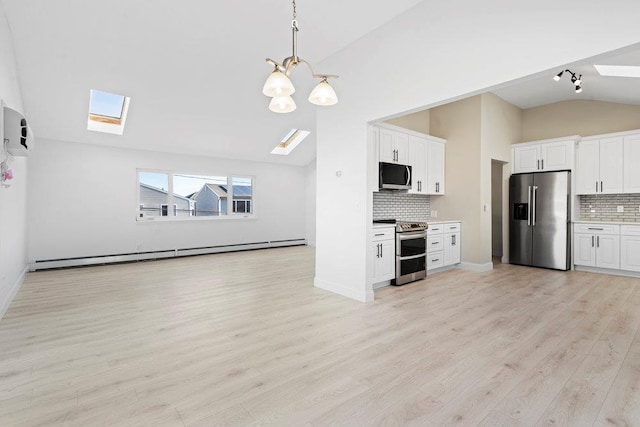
618 70
290 141
107 112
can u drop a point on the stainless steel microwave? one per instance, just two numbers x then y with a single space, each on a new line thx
393 176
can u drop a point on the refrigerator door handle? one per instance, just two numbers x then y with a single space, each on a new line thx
533 210
529 206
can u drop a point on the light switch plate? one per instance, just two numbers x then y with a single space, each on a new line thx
434 214
620 209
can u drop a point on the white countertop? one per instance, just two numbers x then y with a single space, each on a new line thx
377 225
441 221
591 221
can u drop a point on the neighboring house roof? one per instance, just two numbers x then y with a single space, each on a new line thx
218 190
240 191
163 191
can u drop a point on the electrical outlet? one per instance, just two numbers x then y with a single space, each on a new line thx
434 214
620 209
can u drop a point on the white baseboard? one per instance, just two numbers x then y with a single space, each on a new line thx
356 294
472 266
169 253
624 273
5 301
380 285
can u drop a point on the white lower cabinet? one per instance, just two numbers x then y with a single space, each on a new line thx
630 247
451 243
383 247
443 245
597 245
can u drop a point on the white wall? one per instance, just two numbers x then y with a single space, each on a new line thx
13 200
83 202
433 53
310 211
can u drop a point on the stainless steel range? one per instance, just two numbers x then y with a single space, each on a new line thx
411 250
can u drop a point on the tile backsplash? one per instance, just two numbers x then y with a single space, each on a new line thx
401 206
604 207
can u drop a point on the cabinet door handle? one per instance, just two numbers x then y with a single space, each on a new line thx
592 241
453 239
538 164
542 164
435 260
379 234
601 186
594 228
597 241
596 186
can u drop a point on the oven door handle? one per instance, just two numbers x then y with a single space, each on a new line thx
404 258
412 235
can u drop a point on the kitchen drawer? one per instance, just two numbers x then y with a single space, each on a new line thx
451 227
597 228
435 260
435 243
435 229
379 234
630 230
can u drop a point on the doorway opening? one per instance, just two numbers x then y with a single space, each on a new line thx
498 196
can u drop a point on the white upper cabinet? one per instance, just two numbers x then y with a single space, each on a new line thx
599 167
394 146
418 162
435 167
424 153
526 159
611 165
588 167
542 156
631 178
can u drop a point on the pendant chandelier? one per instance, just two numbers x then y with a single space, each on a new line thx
279 87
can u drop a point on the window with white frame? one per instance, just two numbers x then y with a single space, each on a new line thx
193 195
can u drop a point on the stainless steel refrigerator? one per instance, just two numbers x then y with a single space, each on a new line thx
540 219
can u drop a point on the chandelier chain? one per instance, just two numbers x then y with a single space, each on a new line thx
294 10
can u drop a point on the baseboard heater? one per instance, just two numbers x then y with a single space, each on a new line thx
151 255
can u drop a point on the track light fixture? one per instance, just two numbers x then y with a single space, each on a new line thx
279 87
575 79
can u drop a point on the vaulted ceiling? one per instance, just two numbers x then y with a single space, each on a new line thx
194 69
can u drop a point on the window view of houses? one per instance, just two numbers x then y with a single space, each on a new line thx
193 195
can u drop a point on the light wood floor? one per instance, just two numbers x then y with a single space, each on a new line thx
244 338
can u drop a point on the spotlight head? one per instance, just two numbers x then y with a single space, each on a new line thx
578 89
558 76
578 81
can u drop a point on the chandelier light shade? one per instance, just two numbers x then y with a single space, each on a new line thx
279 87
323 94
282 104
278 84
